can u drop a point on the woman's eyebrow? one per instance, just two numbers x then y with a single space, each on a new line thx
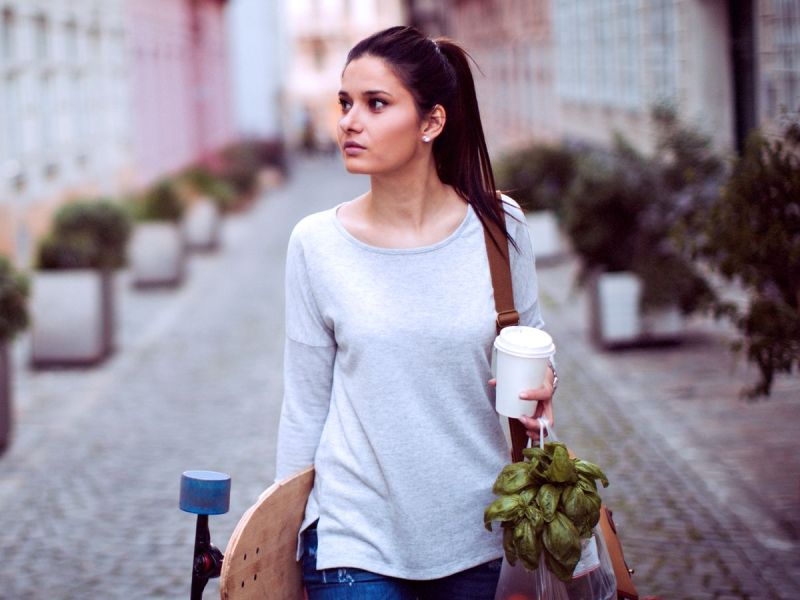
345 94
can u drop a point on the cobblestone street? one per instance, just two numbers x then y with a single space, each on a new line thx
704 486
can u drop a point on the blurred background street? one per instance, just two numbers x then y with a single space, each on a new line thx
162 151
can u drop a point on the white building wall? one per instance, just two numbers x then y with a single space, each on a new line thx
258 57
320 33
617 59
63 110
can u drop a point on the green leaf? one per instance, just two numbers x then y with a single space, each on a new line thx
528 495
534 453
527 544
512 479
535 516
586 484
508 545
591 471
562 469
562 540
547 499
504 508
564 573
582 508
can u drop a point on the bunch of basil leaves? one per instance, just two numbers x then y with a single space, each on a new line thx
546 505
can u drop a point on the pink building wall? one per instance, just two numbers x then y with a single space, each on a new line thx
179 83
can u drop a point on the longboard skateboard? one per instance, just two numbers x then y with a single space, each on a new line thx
260 557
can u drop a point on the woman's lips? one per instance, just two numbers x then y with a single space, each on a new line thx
353 149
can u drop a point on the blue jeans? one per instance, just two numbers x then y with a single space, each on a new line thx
477 583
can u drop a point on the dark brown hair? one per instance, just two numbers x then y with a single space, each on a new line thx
437 71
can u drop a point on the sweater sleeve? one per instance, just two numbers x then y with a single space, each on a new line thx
308 368
523 268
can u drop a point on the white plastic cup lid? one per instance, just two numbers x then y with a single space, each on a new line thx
527 342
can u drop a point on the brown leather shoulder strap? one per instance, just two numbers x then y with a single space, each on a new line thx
500 269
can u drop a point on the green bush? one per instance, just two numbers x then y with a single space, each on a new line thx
538 176
240 163
14 290
160 202
86 234
751 234
205 182
621 211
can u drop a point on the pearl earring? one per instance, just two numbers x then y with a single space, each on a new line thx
426 139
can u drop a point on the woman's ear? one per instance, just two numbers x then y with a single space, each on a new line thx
433 124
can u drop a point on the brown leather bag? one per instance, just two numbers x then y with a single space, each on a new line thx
500 269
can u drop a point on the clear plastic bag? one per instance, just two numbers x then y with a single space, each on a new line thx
593 578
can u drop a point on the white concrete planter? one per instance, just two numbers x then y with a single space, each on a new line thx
6 411
201 225
68 318
616 314
156 254
617 318
663 325
545 235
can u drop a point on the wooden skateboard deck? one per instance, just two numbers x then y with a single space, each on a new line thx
260 557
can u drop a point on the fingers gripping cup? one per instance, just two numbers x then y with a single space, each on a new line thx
522 358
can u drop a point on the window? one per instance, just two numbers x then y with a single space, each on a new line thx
8 36
11 118
786 76
597 46
46 112
628 52
662 52
71 41
566 48
41 33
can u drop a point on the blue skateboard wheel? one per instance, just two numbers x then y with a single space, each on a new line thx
205 492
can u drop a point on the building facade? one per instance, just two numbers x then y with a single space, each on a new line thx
258 62
98 96
777 65
180 83
568 69
64 110
320 33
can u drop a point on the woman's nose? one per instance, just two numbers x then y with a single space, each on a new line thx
350 121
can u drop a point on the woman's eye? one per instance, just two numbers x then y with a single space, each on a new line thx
344 104
377 104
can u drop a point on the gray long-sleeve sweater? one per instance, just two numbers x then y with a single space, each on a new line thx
387 359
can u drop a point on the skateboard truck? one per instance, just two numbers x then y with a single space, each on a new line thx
204 493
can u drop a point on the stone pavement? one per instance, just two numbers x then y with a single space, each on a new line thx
703 486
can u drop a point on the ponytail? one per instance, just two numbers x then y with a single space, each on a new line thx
461 154
438 72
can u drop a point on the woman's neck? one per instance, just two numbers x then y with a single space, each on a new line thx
407 209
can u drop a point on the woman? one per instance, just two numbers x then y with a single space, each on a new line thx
390 320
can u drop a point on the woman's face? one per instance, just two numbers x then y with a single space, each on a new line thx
380 130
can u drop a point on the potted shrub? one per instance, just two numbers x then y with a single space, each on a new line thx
750 235
620 214
207 197
537 177
14 289
156 254
250 166
72 305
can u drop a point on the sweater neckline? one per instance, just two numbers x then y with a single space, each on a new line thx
468 217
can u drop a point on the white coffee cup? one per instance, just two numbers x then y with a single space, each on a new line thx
522 355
